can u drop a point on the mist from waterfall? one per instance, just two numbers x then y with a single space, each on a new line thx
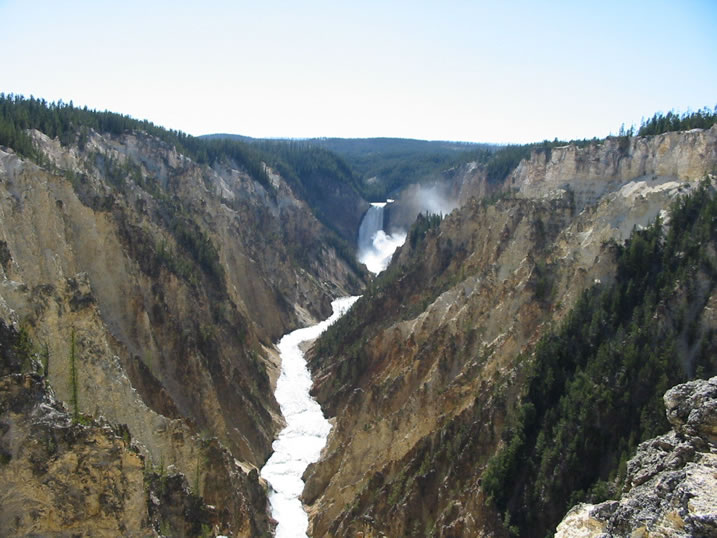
375 246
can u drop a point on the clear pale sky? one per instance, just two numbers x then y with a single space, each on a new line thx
492 71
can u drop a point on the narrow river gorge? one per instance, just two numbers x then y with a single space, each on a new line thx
301 441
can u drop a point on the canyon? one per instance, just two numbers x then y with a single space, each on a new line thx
144 289
301 441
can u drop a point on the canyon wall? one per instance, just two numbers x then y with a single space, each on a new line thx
425 373
152 289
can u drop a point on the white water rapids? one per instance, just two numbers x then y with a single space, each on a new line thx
375 246
301 441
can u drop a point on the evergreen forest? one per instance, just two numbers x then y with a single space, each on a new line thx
595 385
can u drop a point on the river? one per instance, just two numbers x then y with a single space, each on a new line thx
306 431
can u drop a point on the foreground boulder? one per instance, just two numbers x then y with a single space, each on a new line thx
671 484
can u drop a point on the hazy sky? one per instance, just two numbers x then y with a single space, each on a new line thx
452 70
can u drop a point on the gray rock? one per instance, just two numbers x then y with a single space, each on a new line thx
692 408
671 481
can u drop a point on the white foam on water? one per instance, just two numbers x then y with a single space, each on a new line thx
375 246
306 431
383 245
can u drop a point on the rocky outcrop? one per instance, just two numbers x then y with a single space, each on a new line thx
671 483
61 477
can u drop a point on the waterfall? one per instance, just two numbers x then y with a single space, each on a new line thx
301 441
375 246
371 223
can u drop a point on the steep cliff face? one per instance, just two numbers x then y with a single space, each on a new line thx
425 371
671 483
316 175
592 171
162 284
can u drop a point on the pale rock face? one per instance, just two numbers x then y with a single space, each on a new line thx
671 482
582 522
593 171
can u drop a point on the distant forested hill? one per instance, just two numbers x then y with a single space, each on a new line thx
384 165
